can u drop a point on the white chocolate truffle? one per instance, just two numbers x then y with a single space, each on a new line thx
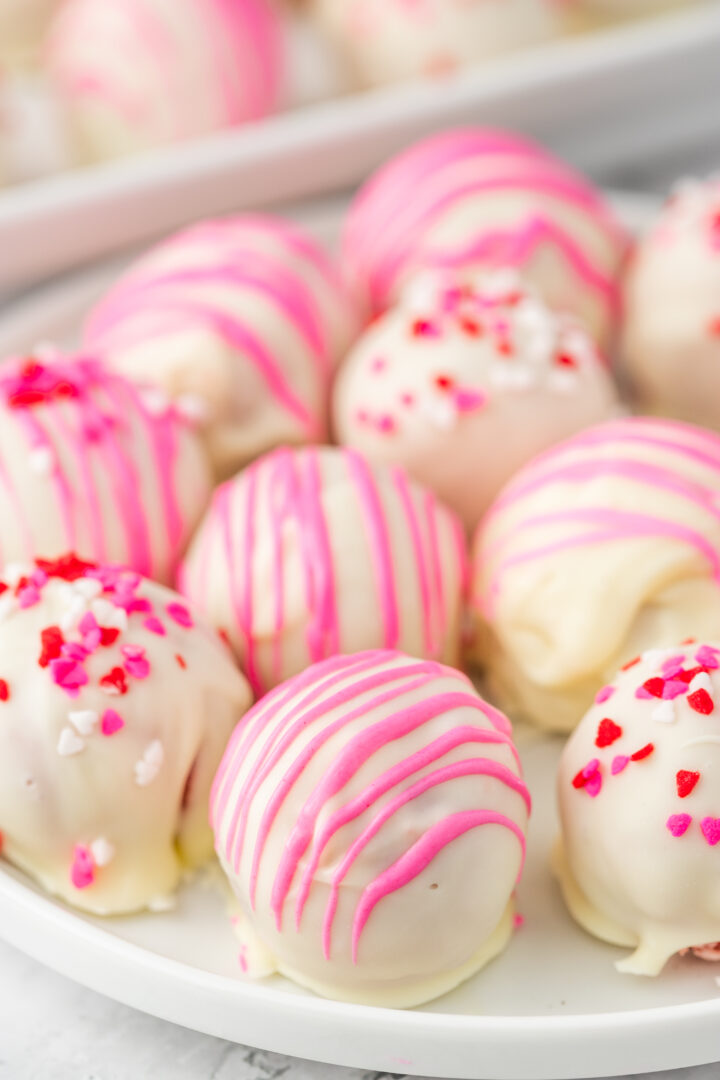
638 792
479 199
115 709
463 385
137 75
243 318
314 552
90 463
672 298
606 545
371 816
23 24
388 41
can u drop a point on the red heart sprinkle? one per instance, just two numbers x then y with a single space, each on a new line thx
608 733
4 690
580 780
686 781
701 702
115 682
52 641
655 686
646 751
108 635
631 663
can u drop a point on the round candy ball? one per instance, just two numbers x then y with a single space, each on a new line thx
637 791
463 385
88 462
371 816
115 709
131 76
242 322
604 546
314 552
477 199
387 41
672 296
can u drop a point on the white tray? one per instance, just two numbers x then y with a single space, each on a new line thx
551 1007
612 98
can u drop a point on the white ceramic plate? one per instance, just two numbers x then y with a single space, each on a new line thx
608 99
551 1007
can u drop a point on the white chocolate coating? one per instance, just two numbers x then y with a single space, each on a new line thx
638 793
389 41
602 547
115 708
463 386
145 73
312 552
371 817
246 317
89 462
476 199
672 297
23 24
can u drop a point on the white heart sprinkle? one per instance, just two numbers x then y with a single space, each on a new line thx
41 460
102 851
701 681
149 765
88 588
69 743
84 721
108 615
664 712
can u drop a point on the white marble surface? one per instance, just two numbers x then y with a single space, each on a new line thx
53 1029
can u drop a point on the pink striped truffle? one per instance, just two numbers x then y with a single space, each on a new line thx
241 321
87 464
599 549
471 200
314 552
371 814
145 73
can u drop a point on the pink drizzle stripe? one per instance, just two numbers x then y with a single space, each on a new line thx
286 292
460 736
356 753
420 855
379 538
284 736
431 641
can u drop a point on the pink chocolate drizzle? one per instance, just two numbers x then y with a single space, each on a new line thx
354 687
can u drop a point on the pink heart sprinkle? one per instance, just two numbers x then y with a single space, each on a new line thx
619 763
468 400
707 656
82 870
671 666
68 675
711 830
604 694
673 688
138 667
593 785
678 824
29 596
180 614
112 722
153 624
642 694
